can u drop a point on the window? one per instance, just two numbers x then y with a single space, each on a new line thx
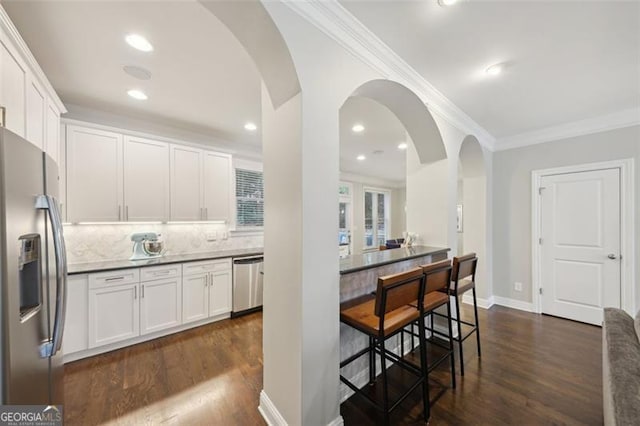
249 198
376 217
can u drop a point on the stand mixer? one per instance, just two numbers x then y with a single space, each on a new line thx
146 245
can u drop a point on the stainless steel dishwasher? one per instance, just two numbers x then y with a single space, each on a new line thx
247 284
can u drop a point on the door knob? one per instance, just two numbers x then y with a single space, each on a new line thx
612 256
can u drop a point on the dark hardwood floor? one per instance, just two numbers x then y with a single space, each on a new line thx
534 370
211 375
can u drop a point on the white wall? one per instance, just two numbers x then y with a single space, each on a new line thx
474 235
398 213
512 198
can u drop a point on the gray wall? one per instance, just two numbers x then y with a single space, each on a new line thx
512 198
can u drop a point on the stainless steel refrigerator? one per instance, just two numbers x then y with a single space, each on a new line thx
32 275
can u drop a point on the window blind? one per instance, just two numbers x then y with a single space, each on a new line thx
249 198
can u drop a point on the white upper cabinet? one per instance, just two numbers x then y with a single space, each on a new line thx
36 114
217 186
200 184
94 175
13 78
146 180
52 136
186 183
32 108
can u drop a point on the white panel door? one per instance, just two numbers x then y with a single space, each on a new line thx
217 185
36 113
12 90
160 304
52 134
195 297
580 225
220 293
186 183
114 314
76 337
94 175
146 180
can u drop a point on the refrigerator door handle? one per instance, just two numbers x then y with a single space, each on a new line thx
49 203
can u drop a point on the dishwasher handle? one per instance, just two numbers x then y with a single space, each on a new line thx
248 260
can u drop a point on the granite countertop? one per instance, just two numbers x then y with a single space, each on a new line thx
359 262
82 268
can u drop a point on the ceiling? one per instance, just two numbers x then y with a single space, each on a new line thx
383 132
566 60
202 78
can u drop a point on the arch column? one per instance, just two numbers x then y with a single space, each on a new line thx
301 298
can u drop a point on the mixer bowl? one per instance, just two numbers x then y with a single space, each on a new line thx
153 248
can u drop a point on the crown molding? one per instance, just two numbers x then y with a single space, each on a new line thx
339 24
6 25
616 120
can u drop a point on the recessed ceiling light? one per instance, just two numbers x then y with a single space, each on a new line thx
250 127
137 94
138 42
403 145
447 2
361 157
495 69
357 128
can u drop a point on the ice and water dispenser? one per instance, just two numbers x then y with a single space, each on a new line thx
30 276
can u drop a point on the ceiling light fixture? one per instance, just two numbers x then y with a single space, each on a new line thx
251 127
361 157
138 42
357 128
445 3
495 69
137 94
137 72
403 145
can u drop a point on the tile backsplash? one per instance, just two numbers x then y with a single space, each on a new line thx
95 243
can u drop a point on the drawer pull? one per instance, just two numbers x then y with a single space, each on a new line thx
168 271
114 279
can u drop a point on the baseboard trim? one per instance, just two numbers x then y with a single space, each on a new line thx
513 303
338 421
272 416
482 303
269 412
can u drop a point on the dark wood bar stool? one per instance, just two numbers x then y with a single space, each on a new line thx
396 304
463 279
437 280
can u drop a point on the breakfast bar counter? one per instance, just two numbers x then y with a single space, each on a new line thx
359 273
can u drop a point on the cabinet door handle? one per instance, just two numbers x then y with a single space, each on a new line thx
135 293
142 291
206 213
119 213
126 209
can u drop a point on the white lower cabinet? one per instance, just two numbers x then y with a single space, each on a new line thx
207 289
108 310
195 297
114 314
75 336
160 304
220 293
